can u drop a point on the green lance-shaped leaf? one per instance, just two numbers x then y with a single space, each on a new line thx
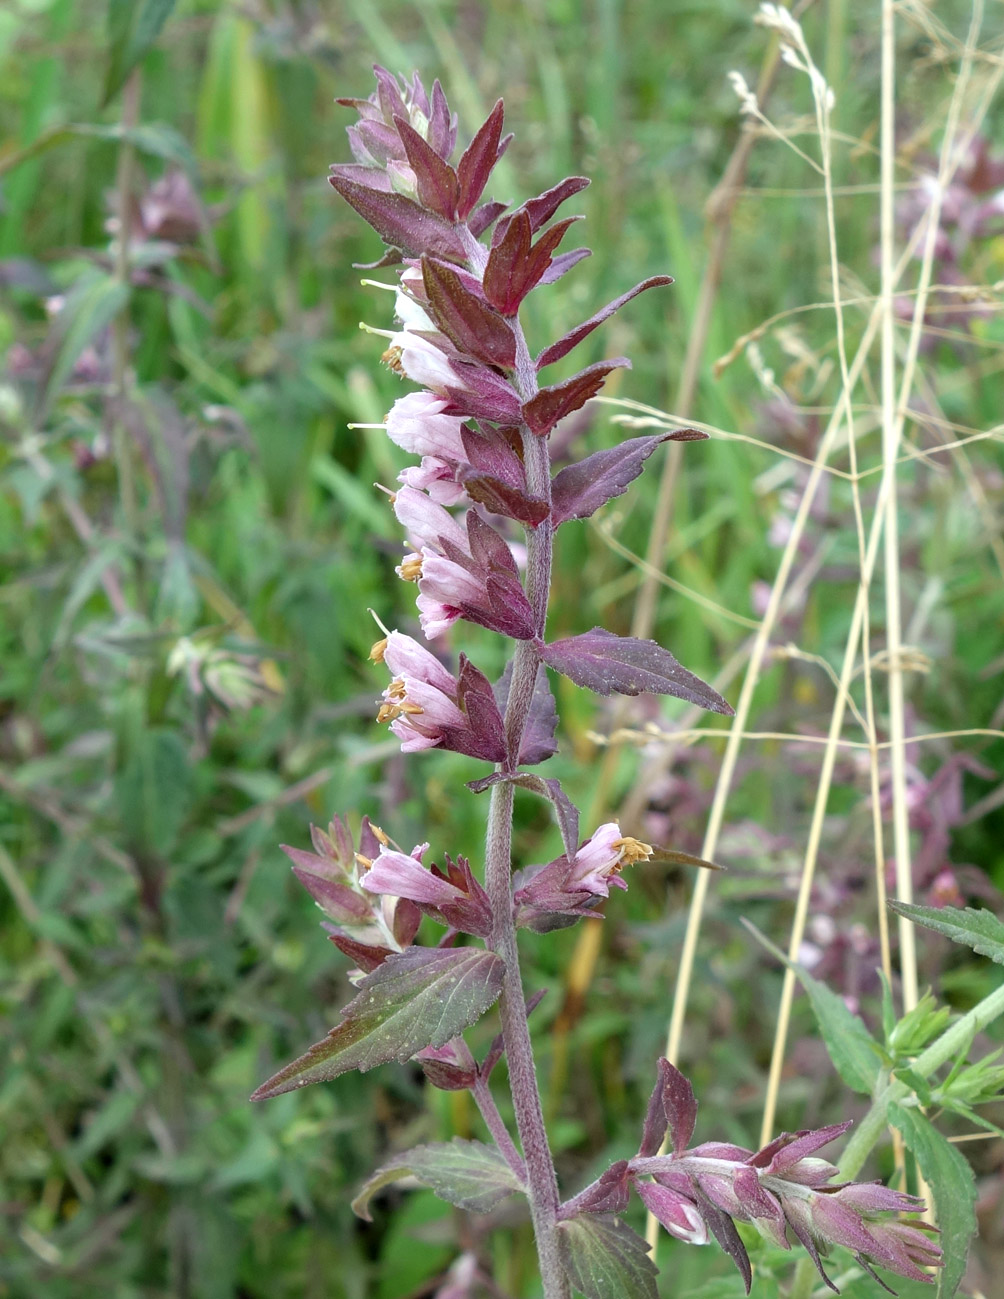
133 26
976 927
855 1054
604 1259
468 1174
952 1188
417 998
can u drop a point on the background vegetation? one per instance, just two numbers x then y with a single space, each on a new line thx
189 541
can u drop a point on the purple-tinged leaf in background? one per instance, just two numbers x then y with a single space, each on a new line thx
552 404
417 998
608 664
580 489
575 336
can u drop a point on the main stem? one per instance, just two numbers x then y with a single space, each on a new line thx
542 1182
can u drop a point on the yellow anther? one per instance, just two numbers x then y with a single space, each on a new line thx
631 850
410 570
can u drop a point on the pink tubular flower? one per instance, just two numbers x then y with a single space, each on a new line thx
563 889
416 423
462 571
428 707
602 857
438 478
421 361
404 876
677 1214
452 896
426 523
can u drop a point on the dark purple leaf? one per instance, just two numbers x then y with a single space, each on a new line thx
680 1105
401 223
514 267
804 1237
442 124
538 736
381 141
724 1231
483 394
565 812
509 254
368 958
604 1259
369 844
478 159
451 1068
610 1193
388 94
563 263
551 404
580 489
564 345
336 900
417 998
609 664
497 1049
486 738
484 216
491 451
506 609
501 498
436 179
465 1173
656 1119
544 206
407 918
470 323
488 548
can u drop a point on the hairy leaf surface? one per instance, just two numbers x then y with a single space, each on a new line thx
468 1174
417 998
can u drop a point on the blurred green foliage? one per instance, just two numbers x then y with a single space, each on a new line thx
157 958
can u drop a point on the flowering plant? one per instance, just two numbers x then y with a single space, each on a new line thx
480 425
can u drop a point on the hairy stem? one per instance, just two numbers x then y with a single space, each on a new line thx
542 1181
495 1124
